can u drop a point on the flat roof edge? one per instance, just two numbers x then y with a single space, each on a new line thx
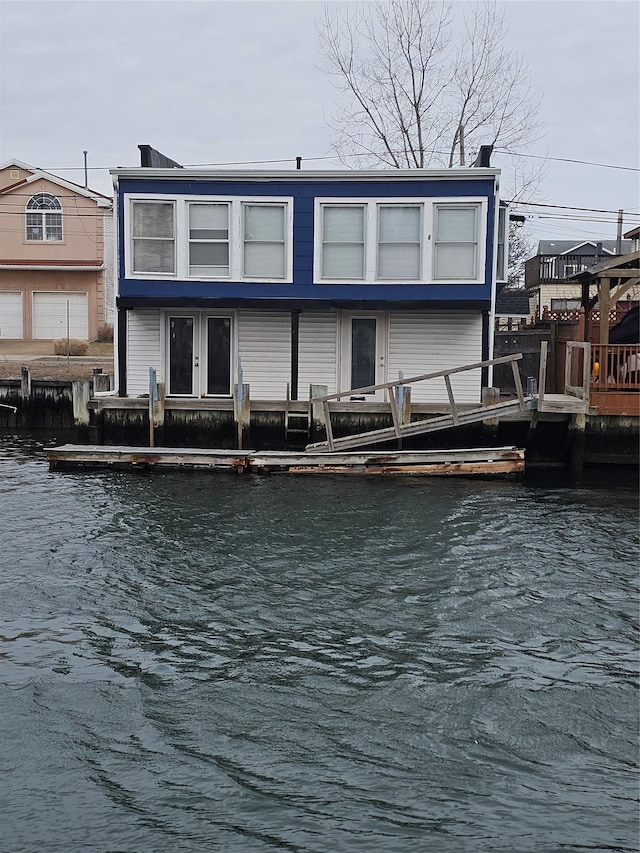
302 174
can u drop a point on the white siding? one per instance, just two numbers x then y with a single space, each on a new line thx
264 347
317 352
57 314
425 343
11 317
143 350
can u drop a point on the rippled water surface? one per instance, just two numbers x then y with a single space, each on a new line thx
206 662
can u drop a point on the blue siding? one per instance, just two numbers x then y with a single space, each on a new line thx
304 194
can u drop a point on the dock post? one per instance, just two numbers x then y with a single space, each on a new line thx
405 410
81 394
25 398
576 440
318 424
241 412
490 397
25 383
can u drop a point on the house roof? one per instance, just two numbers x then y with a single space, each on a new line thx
513 302
39 174
633 234
568 247
189 174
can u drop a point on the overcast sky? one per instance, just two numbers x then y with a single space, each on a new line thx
236 81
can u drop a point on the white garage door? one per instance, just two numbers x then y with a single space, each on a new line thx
11 315
52 312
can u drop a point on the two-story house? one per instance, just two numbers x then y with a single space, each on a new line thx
292 278
56 256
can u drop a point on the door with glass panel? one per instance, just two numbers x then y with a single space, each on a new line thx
199 355
364 352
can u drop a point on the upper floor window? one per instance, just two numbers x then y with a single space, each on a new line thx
153 233
44 217
264 240
343 233
210 237
209 240
455 242
398 241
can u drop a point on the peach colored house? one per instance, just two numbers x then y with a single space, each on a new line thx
56 256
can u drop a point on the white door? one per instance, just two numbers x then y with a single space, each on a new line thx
58 315
363 353
11 318
199 355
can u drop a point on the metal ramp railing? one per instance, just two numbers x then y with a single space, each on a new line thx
401 428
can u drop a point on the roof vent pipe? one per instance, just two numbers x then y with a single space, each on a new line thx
483 160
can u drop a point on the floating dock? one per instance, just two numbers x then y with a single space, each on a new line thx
468 462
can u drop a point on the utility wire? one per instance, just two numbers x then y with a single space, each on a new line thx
355 154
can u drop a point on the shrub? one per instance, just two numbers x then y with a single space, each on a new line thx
75 346
105 333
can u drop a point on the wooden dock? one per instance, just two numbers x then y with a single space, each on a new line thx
467 462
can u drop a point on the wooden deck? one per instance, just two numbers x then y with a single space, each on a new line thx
469 462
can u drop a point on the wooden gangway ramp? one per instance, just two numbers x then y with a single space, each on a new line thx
403 426
575 400
470 462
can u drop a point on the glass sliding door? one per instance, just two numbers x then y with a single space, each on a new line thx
181 356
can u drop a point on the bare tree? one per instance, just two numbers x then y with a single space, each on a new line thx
521 248
417 92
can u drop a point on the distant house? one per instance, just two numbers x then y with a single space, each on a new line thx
336 278
549 274
56 250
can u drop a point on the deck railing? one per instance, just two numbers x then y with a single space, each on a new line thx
615 367
547 269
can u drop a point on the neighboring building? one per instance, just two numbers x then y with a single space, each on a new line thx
634 235
515 307
56 256
548 274
337 278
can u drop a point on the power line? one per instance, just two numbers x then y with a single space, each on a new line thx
335 156
566 160
566 207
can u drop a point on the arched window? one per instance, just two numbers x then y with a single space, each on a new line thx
44 217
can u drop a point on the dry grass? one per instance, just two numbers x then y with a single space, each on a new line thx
99 355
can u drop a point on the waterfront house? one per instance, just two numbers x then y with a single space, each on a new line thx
56 256
288 279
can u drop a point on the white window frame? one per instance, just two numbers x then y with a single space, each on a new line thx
428 212
236 236
453 205
130 239
286 245
192 240
43 214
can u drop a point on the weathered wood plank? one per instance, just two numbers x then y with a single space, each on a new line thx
469 461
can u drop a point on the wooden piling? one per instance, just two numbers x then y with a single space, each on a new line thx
81 394
25 383
241 412
318 421
576 440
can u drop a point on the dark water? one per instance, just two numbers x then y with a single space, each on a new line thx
198 662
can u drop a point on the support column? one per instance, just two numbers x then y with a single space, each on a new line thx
295 351
121 337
